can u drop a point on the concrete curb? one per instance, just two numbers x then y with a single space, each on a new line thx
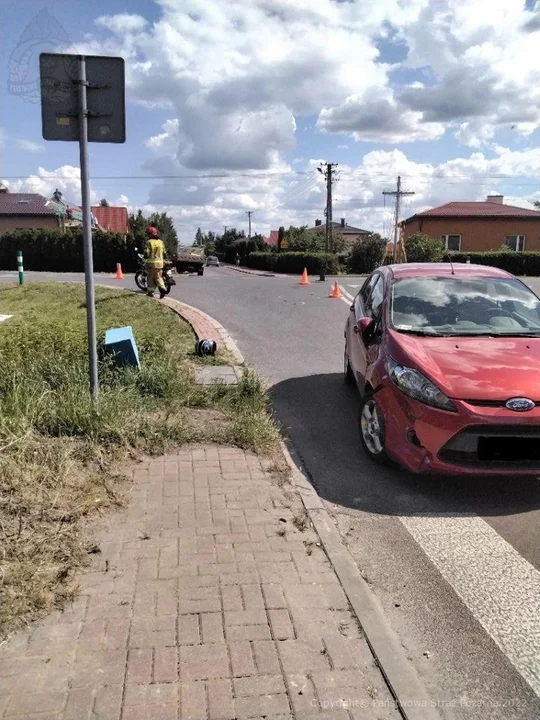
225 337
249 272
401 677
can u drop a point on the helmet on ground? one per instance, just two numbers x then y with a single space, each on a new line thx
151 232
206 347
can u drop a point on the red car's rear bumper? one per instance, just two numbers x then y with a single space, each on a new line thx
426 440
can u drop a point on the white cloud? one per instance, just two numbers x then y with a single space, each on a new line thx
375 116
167 141
282 197
30 146
121 201
123 23
483 68
237 77
45 182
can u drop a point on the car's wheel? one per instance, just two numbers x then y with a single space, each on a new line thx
372 429
141 280
348 374
200 272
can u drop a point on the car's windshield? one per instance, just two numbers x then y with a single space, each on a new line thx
464 306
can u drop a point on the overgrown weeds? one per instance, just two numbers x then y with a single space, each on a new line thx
58 449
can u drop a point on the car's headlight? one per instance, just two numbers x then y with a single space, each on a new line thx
413 383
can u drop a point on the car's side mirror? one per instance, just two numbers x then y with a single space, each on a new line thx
364 327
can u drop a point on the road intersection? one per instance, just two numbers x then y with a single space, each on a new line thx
454 562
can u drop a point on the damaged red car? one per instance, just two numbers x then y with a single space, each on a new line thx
447 361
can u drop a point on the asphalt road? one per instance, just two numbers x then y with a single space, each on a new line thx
454 562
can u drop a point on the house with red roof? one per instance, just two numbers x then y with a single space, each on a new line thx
478 226
272 239
113 219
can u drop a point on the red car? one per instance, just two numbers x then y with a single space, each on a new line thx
447 361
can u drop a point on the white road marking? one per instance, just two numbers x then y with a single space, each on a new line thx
347 297
499 587
353 286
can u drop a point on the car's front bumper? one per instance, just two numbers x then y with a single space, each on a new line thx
479 440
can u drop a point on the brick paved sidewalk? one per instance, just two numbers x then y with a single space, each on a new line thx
208 601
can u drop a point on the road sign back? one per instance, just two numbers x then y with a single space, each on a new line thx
59 76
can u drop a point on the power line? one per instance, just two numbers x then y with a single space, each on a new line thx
159 177
419 177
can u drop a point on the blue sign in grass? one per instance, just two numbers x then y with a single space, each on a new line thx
121 343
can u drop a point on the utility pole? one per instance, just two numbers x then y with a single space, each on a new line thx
224 229
398 194
249 213
328 173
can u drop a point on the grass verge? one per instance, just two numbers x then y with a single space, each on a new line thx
58 450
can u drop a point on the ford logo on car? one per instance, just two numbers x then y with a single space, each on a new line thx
520 404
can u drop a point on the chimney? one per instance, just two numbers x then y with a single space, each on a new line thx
318 222
342 222
498 199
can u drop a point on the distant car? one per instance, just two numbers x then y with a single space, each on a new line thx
212 260
447 362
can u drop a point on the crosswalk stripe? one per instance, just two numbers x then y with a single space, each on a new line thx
499 587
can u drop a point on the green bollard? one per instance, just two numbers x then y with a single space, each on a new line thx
20 267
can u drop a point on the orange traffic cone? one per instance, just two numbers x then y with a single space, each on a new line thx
336 292
304 280
119 275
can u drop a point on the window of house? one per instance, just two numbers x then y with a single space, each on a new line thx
515 242
452 243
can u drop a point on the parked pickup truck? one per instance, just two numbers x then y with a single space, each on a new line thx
191 260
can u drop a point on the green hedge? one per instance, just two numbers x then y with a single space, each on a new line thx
56 251
293 262
517 263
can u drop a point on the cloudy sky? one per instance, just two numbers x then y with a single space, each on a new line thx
232 105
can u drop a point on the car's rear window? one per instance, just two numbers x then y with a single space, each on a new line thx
455 305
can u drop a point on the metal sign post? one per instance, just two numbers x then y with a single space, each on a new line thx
87 231
83 99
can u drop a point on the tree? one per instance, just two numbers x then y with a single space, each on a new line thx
367 254
301 240
199 237
421 248
162 222
229 237
103 203
166 230
281 237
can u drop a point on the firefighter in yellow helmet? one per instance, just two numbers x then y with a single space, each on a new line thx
155 256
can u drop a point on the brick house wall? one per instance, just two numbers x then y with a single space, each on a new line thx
13 222
478 234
